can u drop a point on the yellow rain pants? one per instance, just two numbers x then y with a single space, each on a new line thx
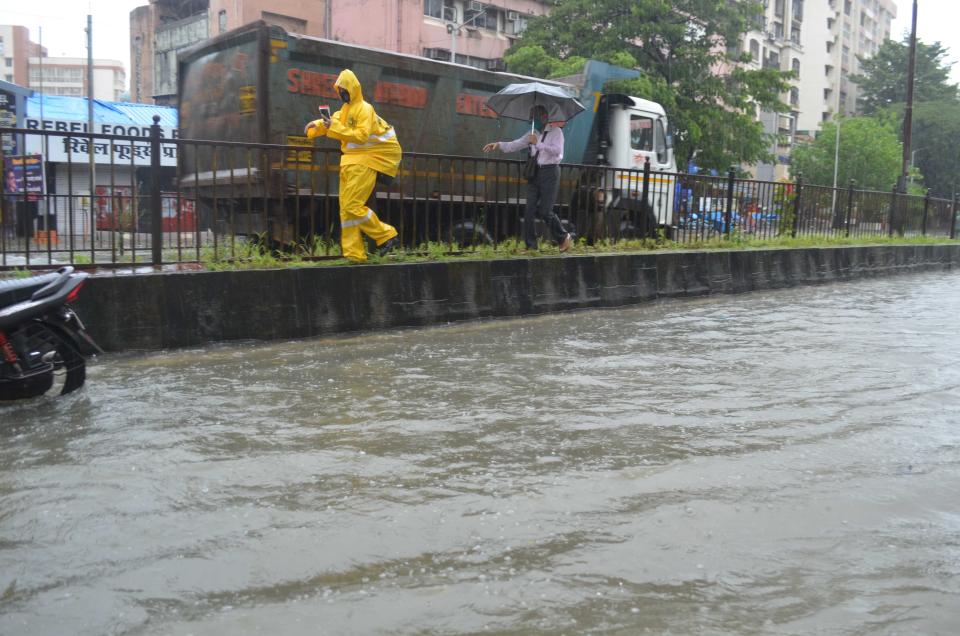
356 185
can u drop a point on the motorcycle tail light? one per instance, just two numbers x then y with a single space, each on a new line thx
72 296
8 353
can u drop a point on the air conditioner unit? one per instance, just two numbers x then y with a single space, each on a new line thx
477 7
513 16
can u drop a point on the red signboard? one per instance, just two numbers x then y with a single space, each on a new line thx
475 105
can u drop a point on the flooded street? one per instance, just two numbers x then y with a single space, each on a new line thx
773 463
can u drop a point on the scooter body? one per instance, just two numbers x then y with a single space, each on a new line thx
42 340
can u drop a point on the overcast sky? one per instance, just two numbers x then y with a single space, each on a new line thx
64 21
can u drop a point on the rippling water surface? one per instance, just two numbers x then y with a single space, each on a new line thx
775 463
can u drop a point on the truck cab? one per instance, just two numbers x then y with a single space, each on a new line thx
639 141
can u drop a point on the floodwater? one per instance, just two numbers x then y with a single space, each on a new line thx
773 463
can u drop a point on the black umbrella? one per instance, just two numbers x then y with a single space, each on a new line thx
516 100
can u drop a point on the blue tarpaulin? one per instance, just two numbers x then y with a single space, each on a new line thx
75 109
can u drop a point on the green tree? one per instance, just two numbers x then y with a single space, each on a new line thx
936 140
713 113
883 77
870 153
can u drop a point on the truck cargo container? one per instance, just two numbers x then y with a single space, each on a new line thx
259 85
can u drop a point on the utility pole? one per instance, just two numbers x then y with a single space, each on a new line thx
908 112
90 145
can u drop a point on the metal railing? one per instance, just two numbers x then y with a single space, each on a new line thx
157 201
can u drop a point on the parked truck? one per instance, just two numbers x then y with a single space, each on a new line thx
260 84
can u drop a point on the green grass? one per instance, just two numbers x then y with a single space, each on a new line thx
251 255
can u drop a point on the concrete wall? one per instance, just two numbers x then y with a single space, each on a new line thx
184 309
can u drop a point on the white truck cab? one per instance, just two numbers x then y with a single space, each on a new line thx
639 132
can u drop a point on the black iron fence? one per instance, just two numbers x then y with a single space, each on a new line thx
155 200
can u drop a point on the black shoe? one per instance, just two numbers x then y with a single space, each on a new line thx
387 246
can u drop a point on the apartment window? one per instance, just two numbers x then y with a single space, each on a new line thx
778 30
778 8
795 65
486 19
847 7
795 34
9 78
222 20
798 10
9 62
755 50
794 96
516 27
442 9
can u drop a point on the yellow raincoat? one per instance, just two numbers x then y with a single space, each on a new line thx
369 145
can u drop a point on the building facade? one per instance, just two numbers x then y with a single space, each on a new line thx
820 41
68 76
847 30
16 49
476 33
776 42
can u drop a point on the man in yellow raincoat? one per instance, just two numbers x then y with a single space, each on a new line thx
369 145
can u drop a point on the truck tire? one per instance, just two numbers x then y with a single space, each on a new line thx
469 234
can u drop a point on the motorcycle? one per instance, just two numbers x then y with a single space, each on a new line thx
41 339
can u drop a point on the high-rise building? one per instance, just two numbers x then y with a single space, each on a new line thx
776 42
820 41
846 31
16 49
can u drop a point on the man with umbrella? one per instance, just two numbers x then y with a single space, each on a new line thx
545 143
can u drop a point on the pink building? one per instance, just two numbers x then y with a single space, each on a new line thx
478 32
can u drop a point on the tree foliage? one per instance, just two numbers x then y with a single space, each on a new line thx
714 113
936 140
870 154
883 78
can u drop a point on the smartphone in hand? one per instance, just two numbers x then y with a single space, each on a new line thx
324 112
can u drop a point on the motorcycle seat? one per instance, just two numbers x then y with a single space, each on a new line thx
20 289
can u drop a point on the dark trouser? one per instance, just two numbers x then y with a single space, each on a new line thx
541 195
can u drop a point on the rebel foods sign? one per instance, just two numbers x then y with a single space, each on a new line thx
77 149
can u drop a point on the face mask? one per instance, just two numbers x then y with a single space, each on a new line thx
344 95
539 124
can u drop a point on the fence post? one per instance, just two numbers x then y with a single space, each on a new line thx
926 210
893 210
156 214
797 207
953 218
645 200
728 215
846 222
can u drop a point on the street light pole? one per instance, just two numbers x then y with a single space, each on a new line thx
913 159
836 146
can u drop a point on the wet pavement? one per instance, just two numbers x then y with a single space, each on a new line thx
772 463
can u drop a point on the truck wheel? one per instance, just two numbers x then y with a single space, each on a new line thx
469 233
